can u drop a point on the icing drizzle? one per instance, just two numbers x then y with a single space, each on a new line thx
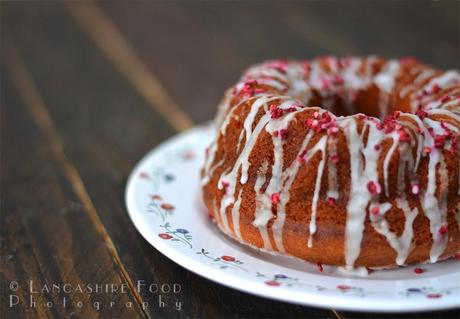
411 138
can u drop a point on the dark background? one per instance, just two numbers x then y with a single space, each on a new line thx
87 89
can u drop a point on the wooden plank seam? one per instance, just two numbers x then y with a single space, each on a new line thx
111 42
34 103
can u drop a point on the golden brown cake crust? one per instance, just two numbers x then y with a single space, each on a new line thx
288 176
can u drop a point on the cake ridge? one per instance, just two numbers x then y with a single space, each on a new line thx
373 169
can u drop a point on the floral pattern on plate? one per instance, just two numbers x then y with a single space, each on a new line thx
164 202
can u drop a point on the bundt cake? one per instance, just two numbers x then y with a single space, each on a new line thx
344 161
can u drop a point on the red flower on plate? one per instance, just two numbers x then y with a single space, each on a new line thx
419 270
434 296
344 287
155 197
167 207
165 236
228 258
188 155
144 175
273 283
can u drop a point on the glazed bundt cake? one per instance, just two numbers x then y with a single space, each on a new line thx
350 162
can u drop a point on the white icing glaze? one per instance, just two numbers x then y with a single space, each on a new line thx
356 271
262 213
427 92
400 244
436 209
292 79
275 183
236 216
243 159
387 160
333 187
361 172
320 146
290 173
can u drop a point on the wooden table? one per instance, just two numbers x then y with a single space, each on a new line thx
87 89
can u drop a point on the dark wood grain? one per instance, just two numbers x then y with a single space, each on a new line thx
104 138
223 39
42 222
106 121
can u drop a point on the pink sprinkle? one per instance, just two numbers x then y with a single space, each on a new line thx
344 287
283 133
275 198
374 188
445 98
331 200
419 270
302 157
316 114
344 62
276 112
306 67
439 141
375 210
335 159
325 83
448 131
225 184
279 65
144 175
403 136
427 150
332 130
272 283
415 189
435 88
421 114
338 79
293 108
377 147
319 266
443 229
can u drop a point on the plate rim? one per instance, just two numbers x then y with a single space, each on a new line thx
246 285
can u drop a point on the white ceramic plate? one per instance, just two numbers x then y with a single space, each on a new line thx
164 202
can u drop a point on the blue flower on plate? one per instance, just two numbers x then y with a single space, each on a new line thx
414 290
169 177
182 231
280 276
